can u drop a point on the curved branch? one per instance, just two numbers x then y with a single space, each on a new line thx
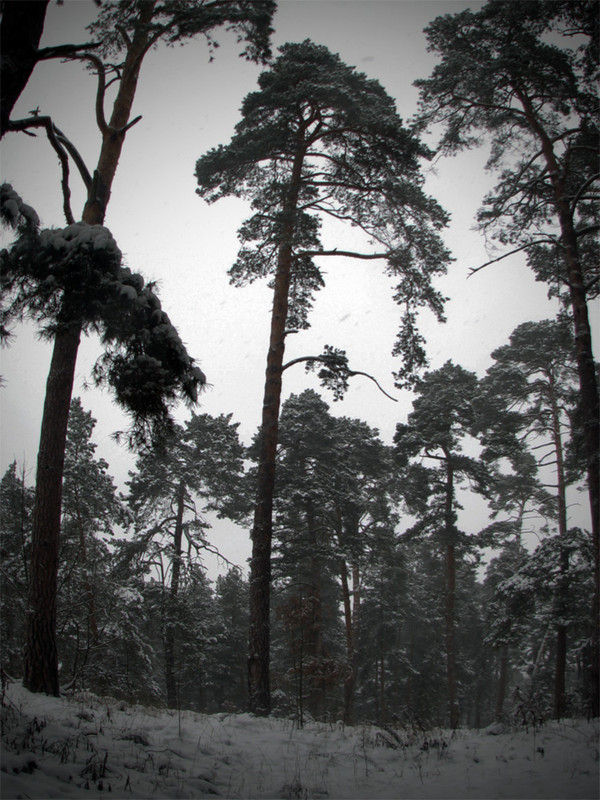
101 90
64 163
346 370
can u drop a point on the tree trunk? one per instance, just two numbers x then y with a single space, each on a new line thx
41 658
350 680
450 634
259 692
589 403
87 584
502 682
20 33
450 595
171 610
316 696
563 587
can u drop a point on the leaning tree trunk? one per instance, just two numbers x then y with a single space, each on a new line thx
259 692
41 658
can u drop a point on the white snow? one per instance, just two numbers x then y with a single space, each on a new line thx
85 746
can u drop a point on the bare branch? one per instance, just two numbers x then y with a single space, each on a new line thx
101 90
473 270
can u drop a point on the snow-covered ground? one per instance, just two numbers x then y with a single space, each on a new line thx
87 746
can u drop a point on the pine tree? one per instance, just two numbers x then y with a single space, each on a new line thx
127 32
226 666
318 139
91 511
442 418
16 506
531 395
200 462
514 72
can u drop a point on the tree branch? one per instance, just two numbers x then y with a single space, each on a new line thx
582 189
345 253
64 50
473 270
101 90
52 130
330 362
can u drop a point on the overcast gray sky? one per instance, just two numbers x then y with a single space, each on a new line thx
189 105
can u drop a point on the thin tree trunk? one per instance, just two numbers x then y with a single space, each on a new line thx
450 633
171 610
382 705
41 657
87 585
259 692
502 682
563 588
316 696
350 680
450 595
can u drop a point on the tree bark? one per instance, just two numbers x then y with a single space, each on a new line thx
41 657
259 692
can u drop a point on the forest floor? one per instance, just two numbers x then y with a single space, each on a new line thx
83 746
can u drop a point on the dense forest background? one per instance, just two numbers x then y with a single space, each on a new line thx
386 601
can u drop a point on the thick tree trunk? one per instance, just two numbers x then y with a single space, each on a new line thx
171 610
41 658
259 692
589 402
41 661
20 33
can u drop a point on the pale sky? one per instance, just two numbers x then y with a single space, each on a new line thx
168 233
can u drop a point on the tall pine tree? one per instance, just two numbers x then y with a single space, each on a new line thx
318 139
